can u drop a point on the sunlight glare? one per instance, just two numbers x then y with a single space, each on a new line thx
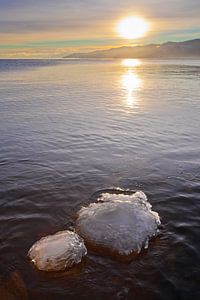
132 27
131 83
129 62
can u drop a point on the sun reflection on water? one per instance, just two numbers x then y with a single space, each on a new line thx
129 62
131 82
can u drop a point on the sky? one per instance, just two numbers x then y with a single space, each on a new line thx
49 28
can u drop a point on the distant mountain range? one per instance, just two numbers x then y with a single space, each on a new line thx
187 49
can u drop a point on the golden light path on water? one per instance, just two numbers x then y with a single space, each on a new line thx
129 62
130 81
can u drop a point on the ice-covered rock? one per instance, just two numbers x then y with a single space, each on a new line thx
57 252
118 224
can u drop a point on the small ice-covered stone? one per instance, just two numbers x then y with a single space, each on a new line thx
119 224
57 252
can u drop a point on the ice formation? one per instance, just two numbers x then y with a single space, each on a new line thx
57 252
118 224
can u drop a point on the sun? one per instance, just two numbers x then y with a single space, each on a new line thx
132 27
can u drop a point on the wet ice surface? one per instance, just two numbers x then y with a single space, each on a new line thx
57 252
120 224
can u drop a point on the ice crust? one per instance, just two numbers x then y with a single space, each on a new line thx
119 223
58 252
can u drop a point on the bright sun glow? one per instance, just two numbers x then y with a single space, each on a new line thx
132 27
131 83
131 62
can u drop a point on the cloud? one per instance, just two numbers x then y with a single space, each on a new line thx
32 21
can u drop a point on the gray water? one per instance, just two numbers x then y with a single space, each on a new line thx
70 129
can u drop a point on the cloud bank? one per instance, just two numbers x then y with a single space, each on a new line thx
29 23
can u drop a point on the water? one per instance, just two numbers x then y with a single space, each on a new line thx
70 129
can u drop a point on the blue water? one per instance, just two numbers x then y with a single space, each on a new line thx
72 128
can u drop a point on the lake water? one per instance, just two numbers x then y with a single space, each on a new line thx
72 128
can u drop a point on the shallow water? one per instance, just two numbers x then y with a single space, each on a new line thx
70 129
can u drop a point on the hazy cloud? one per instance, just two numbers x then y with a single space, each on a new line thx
25 21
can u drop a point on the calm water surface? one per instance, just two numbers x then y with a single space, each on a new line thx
70 129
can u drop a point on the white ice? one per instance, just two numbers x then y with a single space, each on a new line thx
121 223
57 252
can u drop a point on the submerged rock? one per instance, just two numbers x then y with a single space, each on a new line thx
12 287
57 252
118 224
